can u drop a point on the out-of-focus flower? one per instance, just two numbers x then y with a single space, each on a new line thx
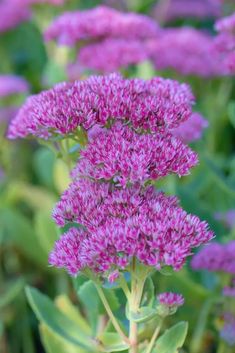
32 2
152 105
228 331
175 9
121 155
99 23
192 129
123 224
228 218
187 51
225 41
10 84
216 257
11 15
112 54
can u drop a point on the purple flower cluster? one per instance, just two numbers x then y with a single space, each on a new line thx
229 291
228 218
154 105
10 84
113 213
187 51
100 22
170 299
13 12
225 41
12 15
188 8
216 257
112 54
119 224
110 39
192 129
124 156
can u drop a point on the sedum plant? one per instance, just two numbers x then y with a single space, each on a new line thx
117 137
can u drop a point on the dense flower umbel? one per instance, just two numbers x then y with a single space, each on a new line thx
10 84
99 23
152 105
112 54
216 257
122 223
124 156
170 299
186 50
191 129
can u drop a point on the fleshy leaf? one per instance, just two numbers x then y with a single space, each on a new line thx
48 314
172 340
112 342
144 313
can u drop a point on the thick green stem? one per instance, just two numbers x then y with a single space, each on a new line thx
110 314
138 277
154 337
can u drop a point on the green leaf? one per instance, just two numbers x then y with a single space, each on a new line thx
64 304
231 113
11 292
61 175
54 343
144 314
172 340
45 230
219 177
19 231
112 342
48 314
43 163
89 297
148 293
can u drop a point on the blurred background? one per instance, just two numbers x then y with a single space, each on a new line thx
32 177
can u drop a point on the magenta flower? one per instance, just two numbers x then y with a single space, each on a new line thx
10 84
156 105
112 54
170 299
192 129
124 223
12 15
121 155
216 257
225 41
229 291
187 51
99 23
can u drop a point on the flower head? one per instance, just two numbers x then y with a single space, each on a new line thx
12 15
187 51
216 257
124 156
112 54
124 223
170 299
99 23
152 105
